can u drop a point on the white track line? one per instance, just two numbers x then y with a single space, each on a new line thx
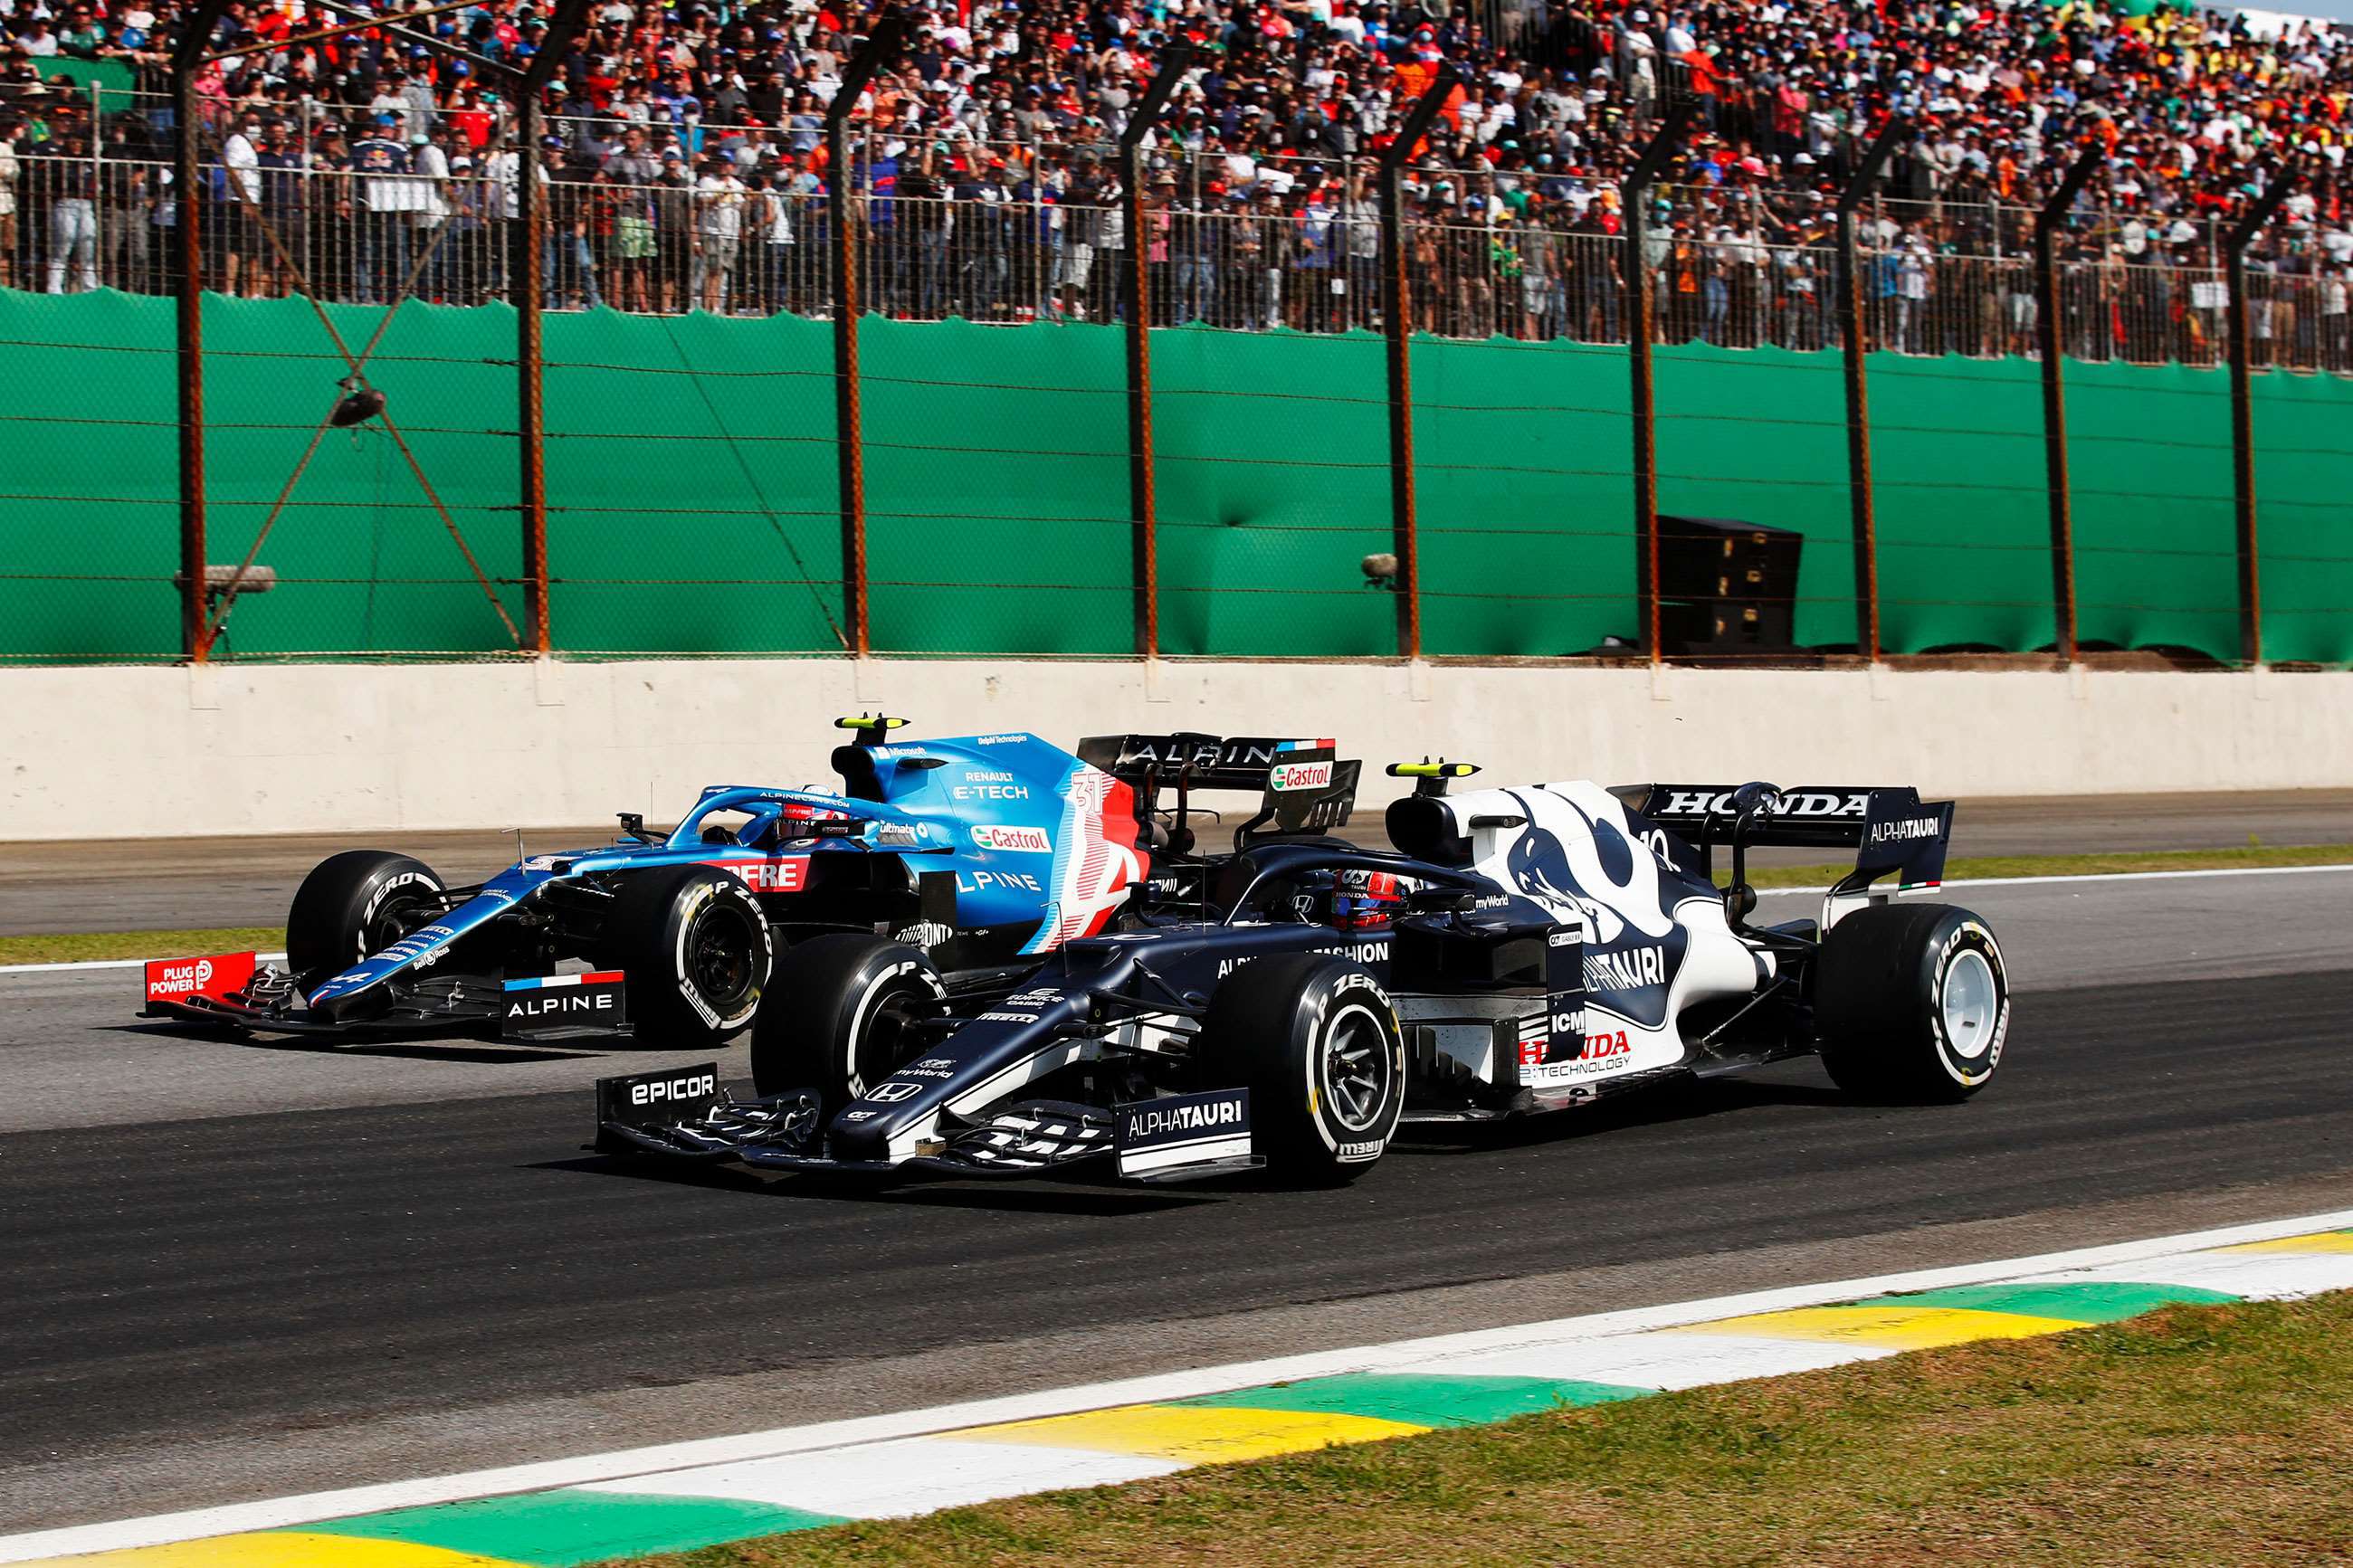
2093 876
7 969
312 1507
107 963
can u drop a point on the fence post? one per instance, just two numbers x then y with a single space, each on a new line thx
848 427
1642 400
1143 499
1862 522
1396 326
529 301
2243 408
2048 340
187 54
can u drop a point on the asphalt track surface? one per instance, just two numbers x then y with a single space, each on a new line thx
169 884
236 1271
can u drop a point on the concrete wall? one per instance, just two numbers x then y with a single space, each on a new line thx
257 749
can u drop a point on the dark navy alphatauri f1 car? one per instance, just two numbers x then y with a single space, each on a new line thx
983 849
1292 1003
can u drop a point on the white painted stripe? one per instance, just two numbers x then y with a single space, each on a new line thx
2090 877
590 1468
109 963
903 1477
7 969
1816 892
2265 1275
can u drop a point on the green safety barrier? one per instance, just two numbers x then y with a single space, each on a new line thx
692 502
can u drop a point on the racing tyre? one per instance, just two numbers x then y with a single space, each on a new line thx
697 951
840 1025
355 903
1912 1002
1316 1041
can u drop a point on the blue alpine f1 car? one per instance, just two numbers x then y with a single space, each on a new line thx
970 851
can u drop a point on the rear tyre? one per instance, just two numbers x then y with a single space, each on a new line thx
1316 1041
356 903
1912 1003
697 951
841 1023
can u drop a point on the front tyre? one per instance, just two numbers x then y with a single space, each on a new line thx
1912 1003
697 951
1316 1040
845 1016
356 903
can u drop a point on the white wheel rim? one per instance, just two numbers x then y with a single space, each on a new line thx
1972 1001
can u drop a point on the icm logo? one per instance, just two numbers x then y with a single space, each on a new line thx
1299 775
1013 840
673 1089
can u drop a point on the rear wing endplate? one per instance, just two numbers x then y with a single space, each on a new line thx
1304 788
1890 828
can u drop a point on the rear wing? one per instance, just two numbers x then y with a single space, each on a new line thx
1304 788
1889 828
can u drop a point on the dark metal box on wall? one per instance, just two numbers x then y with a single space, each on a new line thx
1725 586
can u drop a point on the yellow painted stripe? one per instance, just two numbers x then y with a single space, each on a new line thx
1886 1327
282 1548
2325 1241
1193 1434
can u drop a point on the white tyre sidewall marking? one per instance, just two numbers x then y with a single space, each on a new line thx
1969 1072
866 1000
384 890
681 974
1353 993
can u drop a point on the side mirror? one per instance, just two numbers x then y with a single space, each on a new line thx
1439 901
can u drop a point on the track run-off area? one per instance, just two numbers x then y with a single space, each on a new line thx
242 1270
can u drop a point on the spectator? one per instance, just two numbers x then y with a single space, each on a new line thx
719 199
11 172
1258 197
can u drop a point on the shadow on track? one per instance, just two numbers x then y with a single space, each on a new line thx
1075 1195
1089 1192
411 1050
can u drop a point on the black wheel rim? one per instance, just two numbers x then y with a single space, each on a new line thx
1357 1068
722 955
394 917
887 1042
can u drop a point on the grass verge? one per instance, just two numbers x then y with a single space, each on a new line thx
2196 1435
2252 856
89 945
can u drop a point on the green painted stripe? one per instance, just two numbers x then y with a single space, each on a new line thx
572 1525
1420 1399
2087 1301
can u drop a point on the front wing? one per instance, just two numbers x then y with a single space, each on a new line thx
686 1114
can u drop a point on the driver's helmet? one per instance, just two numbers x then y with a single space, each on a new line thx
1351 899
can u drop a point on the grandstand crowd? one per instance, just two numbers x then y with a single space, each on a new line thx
686 166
